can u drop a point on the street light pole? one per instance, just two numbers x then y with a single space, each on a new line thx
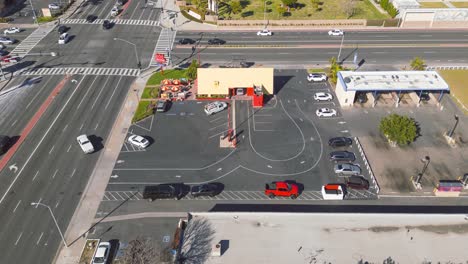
53 217
341 46
34 12
136 51
454 126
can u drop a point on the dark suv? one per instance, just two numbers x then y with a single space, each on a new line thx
340 142
162 191
357 182
346 156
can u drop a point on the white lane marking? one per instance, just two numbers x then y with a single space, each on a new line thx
100 91
52 149
37 204
113 92
40 142
223 124
219 169
87 91
302 162
19 237
14 123
39 239
216 119
69 147
55 173
37 94
73 173
217 134
178 176
63 130
57 204
35 175
269 166
17 206
81 127
131 16
96 126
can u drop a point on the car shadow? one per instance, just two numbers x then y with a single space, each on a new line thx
114 248
280 81
150 139
219 187
97 142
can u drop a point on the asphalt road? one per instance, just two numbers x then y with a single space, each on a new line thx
309 48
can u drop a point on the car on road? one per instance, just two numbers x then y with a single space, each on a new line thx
12 30
345 156
207 189
216 41
215 107
335 32
10 59
264 32
283 189
54 6
120 2
357 182
64 38
316 77
91 18
325 112
102 253
340 142
322 97
4 144
7 40
162 191
185 41
62 29
85 144
106 24
114 11
348 169
138 141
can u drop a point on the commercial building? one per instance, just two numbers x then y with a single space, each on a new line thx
394 83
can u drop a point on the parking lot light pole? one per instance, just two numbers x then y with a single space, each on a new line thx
53 217
136 51
34 12
426 161
450 134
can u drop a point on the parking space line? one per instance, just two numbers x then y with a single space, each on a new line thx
218 126
119 195
113 196
217 134
216 119
139 196
230 197
244 196
105 196
128 197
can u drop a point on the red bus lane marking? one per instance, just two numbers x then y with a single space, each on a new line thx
24 134
124 8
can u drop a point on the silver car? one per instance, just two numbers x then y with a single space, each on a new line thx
348 169
7 40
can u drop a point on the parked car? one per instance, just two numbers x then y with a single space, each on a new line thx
62 29
208 189
216 41
12 30
325 112
425 96
185 41
4 144
335 32
322 97
361 98
64 38
316 77
264 32
102 253
163 191
2 46
106 24
333 191
7 40
54 6
10 59
282 188
85 144
114 11
161 106
348 169
215 107
4 52
346 156
357 182
340 142
120 2
91 18
138 141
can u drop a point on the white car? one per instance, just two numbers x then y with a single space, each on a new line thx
215 107
85 144
138 141
102 253
264 32
11 30
325 112
316 77
63 39
54 6
323 97
347 168
335 32
115 11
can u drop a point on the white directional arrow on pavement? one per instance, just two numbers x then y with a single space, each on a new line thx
342 122
219 169
74 81
114 176
13 168
344 131
120 161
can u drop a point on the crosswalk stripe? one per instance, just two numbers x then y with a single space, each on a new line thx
81 71
134 22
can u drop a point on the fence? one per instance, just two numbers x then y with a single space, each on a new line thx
433 68
371 173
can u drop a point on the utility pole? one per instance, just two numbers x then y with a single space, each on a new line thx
341 46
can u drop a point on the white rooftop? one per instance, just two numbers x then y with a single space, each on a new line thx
337 238
392 81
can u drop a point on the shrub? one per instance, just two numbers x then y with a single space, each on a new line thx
399 129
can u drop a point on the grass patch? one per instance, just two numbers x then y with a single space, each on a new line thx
157 77
150 93
317 70
330 9
432 5
144 110
88 251
457 80
42 19
460 4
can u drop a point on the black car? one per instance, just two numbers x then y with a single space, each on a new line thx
216 41
425 96
185 41
4 144
162 191
106 24
361 98
342 156
209 189
91 18
340 142
62 29
161 106
4 52
357 182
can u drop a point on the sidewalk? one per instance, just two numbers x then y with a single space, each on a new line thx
84 216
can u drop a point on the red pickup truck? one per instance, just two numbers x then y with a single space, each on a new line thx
285 189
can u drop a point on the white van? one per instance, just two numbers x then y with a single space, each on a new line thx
63 38
333 192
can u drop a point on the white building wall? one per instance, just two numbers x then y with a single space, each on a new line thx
346 99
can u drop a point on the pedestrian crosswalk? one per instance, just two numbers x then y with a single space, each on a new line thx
134 22
110 196
31 41
164 45
81 71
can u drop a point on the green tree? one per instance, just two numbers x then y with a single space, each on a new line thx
399 129
224 9
281 9
384 4
392 11
335 67
417 64
192 70
315 4
290 3
201 5
236 7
